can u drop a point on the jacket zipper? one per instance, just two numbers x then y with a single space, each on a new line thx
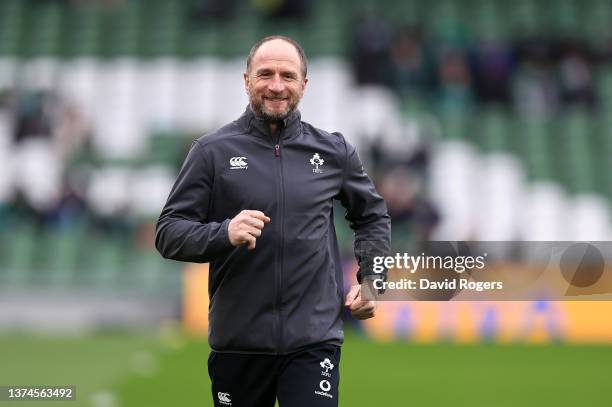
277 154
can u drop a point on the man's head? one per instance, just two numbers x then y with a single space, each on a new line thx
275 77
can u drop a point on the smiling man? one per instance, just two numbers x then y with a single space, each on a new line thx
255 200
275 79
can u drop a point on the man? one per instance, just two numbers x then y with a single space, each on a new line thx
255 200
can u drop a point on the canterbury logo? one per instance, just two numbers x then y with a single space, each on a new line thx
238 163
224 398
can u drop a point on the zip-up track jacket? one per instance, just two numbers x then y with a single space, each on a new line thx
287 293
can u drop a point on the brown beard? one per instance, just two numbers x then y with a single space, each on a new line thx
258 106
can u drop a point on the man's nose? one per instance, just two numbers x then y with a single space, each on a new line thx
276 84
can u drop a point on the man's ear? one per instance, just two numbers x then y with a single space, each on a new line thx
245 76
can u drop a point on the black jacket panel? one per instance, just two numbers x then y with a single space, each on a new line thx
287 293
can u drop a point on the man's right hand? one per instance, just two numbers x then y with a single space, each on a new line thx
246 227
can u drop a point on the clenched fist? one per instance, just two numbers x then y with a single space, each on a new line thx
246 227
361 309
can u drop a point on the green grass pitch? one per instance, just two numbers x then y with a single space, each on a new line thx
119 370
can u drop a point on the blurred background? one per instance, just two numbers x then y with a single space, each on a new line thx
477 120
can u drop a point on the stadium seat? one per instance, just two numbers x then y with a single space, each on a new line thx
198 81
63 251
12 24
563 19
544 213
228 93
574 139
167 149
604 82
589 218
162 28
524 16
156 93
148 191
20 249
118 129
595 22
486 20
536 148
455 188
40 73
327 101
108 192
77 84
44 30
123 30
147 271
374 118
106 262
83 32
38 173
145 72
501 195
492 131
8 72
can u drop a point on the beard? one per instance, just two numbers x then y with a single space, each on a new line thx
259 107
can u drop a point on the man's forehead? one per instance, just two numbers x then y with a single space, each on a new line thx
276 51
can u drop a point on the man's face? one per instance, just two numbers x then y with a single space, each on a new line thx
274 83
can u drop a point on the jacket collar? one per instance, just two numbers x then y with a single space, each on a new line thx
290 125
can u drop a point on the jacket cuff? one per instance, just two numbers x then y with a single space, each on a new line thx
224 238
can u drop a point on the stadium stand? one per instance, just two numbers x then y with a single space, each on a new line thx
509 114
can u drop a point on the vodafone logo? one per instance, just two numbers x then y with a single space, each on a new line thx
325 385
238 163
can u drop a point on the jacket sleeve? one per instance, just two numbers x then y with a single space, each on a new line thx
366 213
183 231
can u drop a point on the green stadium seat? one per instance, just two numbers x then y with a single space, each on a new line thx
601 150
492 130
12 20
146 270
563 18
595 21
63 252
83 32
167 148
604 84
404 13
573 145
20 250
486 21
536 149
162 28
201 40
104 261
524 17
122 29
456 126
44 30
444 22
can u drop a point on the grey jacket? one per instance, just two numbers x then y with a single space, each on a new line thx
287 293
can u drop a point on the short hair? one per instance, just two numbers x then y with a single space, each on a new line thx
291 41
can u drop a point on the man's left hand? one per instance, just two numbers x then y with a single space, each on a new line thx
359 308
